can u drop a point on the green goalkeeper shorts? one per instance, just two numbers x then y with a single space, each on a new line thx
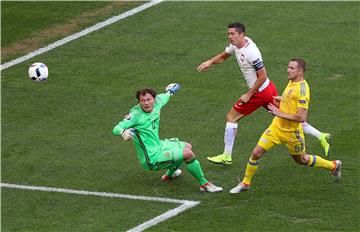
170 156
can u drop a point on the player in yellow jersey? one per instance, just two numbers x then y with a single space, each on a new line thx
286 128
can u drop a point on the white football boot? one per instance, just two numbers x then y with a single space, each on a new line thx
210 187
176 174
337 170
240 188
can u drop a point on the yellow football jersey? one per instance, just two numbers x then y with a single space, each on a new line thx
296 95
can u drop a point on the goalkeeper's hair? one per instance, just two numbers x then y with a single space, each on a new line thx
300 62
143 92
239 27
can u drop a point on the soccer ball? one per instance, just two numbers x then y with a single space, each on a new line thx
38 72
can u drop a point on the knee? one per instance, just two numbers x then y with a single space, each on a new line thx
188 154
304 159
230 118
234 116
255 156
257 152
301 159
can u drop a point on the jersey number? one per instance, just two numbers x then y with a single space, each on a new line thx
299 148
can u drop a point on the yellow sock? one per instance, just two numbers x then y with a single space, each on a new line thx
317 161
251 168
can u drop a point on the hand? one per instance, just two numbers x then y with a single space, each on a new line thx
277 100
245 98
128 134
273 109
204 66
172 88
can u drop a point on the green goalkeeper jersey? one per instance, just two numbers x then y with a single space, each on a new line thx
146 124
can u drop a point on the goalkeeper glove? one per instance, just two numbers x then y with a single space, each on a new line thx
172 88
128 134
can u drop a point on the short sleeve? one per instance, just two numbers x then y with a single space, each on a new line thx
253 56
128 122
303 96
229 49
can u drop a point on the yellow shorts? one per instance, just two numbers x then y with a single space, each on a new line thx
294 140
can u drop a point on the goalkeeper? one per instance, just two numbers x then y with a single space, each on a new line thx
141 126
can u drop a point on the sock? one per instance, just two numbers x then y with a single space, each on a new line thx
251 168
310 130
195 170
171 171
229 137
317 161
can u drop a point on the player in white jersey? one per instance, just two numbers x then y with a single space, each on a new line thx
247 57
260 94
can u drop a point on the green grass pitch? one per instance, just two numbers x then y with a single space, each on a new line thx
58 133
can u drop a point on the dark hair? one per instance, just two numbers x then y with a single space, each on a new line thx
239 27
143 92
300 62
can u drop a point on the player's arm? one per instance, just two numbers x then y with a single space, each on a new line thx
300 116
170 90
277 100
261 78
124 127
162 99
218 59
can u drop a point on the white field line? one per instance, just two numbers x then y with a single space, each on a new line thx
80 34
184 204
164 216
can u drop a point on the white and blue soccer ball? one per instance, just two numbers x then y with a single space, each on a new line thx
38 72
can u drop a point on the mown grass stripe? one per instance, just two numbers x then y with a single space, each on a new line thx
184 204
80 34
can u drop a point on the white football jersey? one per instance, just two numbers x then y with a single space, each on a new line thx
249 59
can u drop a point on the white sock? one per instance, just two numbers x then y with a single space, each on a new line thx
310 130
229 137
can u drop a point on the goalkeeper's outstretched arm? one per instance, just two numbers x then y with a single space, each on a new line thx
170 90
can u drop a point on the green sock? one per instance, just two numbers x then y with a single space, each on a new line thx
195 170
171 171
